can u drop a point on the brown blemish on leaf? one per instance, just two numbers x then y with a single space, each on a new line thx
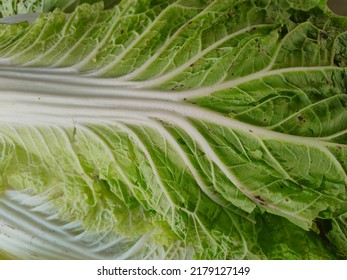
260 200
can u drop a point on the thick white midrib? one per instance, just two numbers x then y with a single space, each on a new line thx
23 105
84 90
177 118
107 108
107 67
40 245
54 78
60 76
20 246
16 216
64 110
18 200
16 210
7 67
187 64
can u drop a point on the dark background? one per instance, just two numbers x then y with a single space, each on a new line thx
338 6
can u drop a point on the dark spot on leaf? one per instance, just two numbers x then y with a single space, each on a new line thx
299 16
324 226
260 200
301 119
323 35
231 14
283 31
337 60
9 226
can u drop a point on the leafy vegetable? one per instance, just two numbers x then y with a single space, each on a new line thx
174 129
12 7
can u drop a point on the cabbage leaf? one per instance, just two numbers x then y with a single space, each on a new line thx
174 130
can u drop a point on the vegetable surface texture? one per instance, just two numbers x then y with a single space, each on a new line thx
173 130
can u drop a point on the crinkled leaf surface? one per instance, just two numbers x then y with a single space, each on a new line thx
178 129
17 7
